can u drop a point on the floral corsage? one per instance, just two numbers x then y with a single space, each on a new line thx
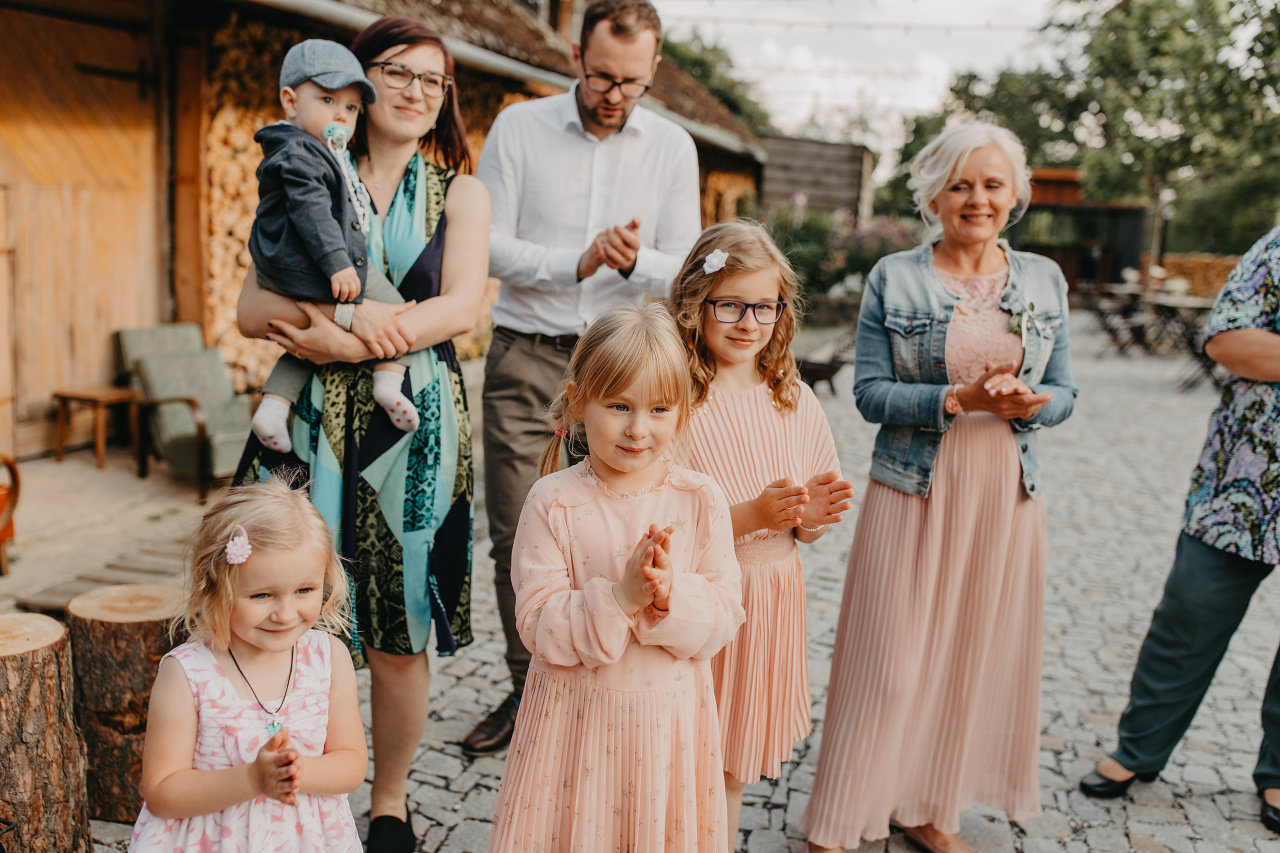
1023 321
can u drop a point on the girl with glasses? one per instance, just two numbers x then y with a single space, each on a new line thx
760 433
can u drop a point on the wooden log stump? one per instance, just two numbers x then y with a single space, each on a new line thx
42 765
119 634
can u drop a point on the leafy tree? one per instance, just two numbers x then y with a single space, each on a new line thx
1041 107
1153 98
894 197
711 65
1225 215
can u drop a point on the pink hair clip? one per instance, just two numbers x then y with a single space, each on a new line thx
562 433
238 548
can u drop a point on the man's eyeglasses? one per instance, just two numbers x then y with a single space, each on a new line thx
731 310
603 85
398 76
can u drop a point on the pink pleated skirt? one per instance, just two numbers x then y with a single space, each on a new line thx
762 677
592 768
934 701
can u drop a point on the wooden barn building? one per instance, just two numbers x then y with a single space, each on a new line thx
1091 241
828 175
127 162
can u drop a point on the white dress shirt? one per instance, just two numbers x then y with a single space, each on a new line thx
554 187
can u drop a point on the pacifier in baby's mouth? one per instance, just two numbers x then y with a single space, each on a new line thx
336 135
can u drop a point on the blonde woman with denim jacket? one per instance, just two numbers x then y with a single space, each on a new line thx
963 358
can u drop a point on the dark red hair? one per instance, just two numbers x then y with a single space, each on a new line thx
448 139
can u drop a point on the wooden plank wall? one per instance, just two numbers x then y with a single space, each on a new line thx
831 175
78 159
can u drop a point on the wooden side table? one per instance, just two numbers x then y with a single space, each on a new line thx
100 397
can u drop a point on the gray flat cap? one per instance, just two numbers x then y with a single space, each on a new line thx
327 64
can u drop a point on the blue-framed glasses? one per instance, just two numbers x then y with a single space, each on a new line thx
733 310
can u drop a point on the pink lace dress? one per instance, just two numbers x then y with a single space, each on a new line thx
935 680
231 731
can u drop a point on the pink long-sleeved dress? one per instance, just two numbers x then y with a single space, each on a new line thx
617 744
745 443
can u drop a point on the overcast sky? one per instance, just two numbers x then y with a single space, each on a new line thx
807 62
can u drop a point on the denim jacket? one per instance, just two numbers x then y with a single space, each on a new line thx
900 366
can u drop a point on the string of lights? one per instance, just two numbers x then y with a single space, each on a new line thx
801 23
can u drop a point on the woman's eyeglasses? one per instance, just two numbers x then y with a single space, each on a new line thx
398 76
731 310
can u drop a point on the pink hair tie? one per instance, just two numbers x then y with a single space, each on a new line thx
238 548
562 433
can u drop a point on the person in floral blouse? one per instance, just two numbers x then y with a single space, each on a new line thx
1230 541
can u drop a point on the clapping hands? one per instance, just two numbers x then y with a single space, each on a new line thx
829 498
647 577
999 391
275 771
616 248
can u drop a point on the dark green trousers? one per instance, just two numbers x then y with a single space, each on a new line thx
1204 600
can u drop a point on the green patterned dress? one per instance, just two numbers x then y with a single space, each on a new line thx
398 504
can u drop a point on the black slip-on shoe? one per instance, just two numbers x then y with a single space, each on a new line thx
390 834
1101 788
1270 817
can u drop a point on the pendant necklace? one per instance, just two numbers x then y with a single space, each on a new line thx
273 725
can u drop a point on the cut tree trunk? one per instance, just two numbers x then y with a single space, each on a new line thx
42 766
119 633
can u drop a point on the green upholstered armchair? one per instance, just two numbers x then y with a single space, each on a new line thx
190 411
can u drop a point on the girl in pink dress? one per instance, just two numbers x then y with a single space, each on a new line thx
626 585
254 736
759 432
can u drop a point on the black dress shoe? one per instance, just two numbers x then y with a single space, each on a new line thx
1270 817
1100 787
494 732
390 834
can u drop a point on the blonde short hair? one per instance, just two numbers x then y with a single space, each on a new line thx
275 517
933 167
624 344
750 249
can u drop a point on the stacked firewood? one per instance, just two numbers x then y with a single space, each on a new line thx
244 70
243 96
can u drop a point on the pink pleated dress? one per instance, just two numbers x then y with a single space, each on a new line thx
744 443
934 701
617 743
231 731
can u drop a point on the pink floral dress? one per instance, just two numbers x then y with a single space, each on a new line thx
231 731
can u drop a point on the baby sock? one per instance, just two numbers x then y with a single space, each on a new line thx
271 423
387 394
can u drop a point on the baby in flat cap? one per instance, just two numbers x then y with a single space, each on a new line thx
308 239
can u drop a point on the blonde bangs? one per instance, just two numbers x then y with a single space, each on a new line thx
622 346
639 352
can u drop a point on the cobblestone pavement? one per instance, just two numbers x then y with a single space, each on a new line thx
1115 478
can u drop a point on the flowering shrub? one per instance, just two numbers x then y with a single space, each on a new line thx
829 252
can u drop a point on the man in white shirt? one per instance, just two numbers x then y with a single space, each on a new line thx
595 203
